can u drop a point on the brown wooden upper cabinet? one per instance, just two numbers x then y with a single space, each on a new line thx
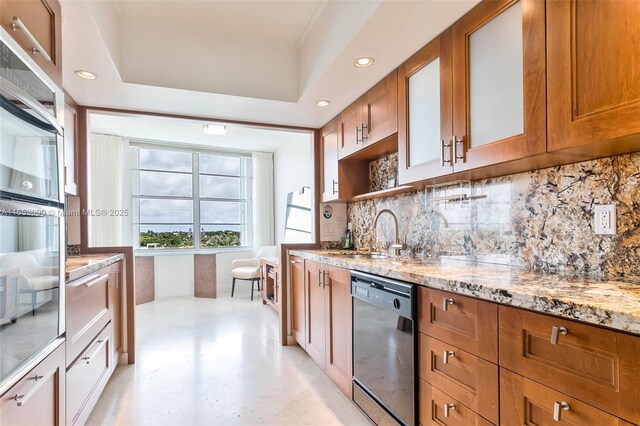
37 27
425 112
593 75
370 119
329 143
491 88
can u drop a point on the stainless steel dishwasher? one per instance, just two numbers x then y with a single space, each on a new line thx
385 349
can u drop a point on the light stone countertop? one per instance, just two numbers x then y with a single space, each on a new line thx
610 303
79 266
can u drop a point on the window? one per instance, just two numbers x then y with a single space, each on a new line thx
190 200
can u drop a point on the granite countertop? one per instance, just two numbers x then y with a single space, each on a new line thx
610 303
79 266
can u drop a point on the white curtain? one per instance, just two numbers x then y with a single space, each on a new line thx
263 213
110 191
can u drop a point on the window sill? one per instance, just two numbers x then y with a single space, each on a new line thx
185 252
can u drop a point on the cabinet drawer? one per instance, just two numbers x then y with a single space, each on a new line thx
471 324
37 399
470 379
525 402
432 409
41 29
88 374
597 366
87 311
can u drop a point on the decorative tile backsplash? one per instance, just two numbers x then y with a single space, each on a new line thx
541 220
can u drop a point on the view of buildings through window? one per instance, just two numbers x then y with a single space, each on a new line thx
190 199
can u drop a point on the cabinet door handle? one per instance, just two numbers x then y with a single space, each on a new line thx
447 408
358 135
556 332
558 407
446 302
16 25
324 279
443 147
319 277
335 186
363 136
295 262
446 355
459 148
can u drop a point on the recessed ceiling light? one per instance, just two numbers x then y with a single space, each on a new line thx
215 129
363 62
322 103
87 75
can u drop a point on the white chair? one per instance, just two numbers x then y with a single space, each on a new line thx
249 269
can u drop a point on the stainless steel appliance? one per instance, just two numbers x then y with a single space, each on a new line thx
32 243
385 349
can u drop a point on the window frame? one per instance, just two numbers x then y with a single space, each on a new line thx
245 202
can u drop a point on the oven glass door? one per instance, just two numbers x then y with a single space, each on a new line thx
28 153
383 357
31 299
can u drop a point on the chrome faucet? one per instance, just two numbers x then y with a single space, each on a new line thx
397 246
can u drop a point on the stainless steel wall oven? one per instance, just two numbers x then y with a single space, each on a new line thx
32 225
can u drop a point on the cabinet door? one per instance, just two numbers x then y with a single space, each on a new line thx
298 325
315 312
593 63
525 402
40 28
39 397
499 91
70 121
380 110
337 283
424 112
350 129
329 141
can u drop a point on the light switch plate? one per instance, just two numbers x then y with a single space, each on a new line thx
604 218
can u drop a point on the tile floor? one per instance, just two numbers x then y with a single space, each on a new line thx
217 362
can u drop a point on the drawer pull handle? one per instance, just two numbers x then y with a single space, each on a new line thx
446 355
37 377
88 358
447 408
294 262
16 25
556 332
446 302
557 409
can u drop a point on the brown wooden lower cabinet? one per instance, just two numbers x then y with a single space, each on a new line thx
328 320
88 375
438 408
39 397
600 367
316 312
525 402
470 379
337 282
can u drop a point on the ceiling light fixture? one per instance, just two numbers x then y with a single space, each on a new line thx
87 75
322 103
363 62
215 129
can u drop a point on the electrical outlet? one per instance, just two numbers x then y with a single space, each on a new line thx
604 218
